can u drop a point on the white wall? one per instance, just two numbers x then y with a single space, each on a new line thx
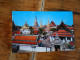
37 49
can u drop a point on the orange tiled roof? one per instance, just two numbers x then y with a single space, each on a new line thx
62 33
23 42
71 28
31 38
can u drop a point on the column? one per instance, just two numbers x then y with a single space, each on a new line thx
50 39
66 39
60 47
71 39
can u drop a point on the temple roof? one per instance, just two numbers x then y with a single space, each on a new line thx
62 33
25 42
52 24
63 26
71 28
28 38
25 39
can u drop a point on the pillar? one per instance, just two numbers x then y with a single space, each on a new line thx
66 39
71 39
60 47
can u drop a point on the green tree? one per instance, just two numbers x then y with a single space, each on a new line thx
53 29
44 33
40 30
31 29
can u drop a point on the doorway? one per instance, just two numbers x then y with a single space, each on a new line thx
57 47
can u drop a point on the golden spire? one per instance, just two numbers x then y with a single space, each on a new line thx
41 24
25 26
48 27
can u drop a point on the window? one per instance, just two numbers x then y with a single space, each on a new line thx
68 38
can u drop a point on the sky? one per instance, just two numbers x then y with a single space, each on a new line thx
20 17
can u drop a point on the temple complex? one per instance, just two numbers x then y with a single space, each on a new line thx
62 39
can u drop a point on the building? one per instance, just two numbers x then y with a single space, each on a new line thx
15 29
53 25
64 35
57 43
25 29
26 39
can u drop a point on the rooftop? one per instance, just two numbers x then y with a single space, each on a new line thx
62 33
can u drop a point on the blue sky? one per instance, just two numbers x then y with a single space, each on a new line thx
20 17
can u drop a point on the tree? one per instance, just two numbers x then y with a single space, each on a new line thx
53 29
31 29
44 33
40 30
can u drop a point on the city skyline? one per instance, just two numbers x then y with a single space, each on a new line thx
20 17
